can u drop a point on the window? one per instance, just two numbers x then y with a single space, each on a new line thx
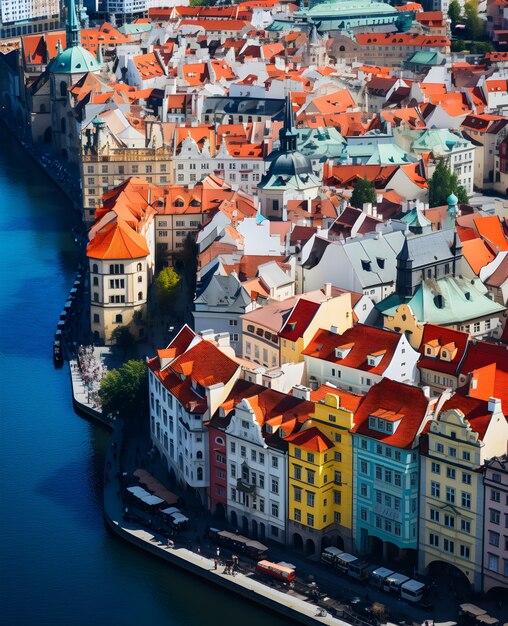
275 462
337 497
363 490
274 485
466 478
449 521
495 516
493 538
435 489
450 473
297 472
452 452
310 477
465 552
434 515
465 526
119 318
310 498
466 456
275 509
439 448
493 562
450 495
435 468
243 451
465 500
310 519
297 494
495 495
448 546
434 540
310 457
297 515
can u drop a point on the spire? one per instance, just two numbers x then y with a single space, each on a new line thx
288 135
452 211
72 29
59 48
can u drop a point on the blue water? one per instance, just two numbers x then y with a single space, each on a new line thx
58 564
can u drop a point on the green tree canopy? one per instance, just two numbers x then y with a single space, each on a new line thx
363 191
124 391
123 338
454 11
442 184
475 26
167 285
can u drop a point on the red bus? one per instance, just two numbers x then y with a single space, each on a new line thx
287 574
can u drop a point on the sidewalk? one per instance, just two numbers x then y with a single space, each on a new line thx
290 606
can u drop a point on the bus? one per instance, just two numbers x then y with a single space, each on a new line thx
412 590
275 570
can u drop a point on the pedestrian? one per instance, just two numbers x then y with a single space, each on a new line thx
215 563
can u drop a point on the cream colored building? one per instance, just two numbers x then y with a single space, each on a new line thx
467 432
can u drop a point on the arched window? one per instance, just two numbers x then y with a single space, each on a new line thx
95 281
140 279
63 89
119 318
199 454
95 268
140 267
140 295
200 473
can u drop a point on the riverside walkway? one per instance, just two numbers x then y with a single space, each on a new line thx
288 605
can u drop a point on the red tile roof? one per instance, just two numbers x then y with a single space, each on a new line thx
364 340
410 403
476 411
311 440
479 355
348 400
299 319
117 240
443 337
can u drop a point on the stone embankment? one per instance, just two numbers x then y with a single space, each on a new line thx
292 607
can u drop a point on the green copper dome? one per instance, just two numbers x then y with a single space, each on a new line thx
345 8
75 60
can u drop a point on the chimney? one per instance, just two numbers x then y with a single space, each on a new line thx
299 391
426 391
494 405
328 290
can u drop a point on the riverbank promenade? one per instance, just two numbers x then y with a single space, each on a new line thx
293 607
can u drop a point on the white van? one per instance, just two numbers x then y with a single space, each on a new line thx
329 555
394 582
412 590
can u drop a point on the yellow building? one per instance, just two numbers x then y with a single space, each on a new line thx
468 431
308 316
320 474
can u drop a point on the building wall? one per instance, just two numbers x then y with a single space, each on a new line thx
257 347
495 535
257 479
118 289
385 494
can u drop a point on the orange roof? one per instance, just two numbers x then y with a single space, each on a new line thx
477 254
148 65
490 229
117 240
311 440
348 400
217 25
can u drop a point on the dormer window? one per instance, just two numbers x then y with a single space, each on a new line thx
341 352
380 262
366 266
375 359
432 348
385 421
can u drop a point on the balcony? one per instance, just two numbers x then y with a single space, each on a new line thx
245 487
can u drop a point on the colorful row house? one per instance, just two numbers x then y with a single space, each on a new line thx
386 432
468 430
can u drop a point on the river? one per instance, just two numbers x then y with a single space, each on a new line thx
58 563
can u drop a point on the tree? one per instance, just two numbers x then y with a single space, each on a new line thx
167 284
454 12
475 27
123 338
124 391
442 184
363 191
